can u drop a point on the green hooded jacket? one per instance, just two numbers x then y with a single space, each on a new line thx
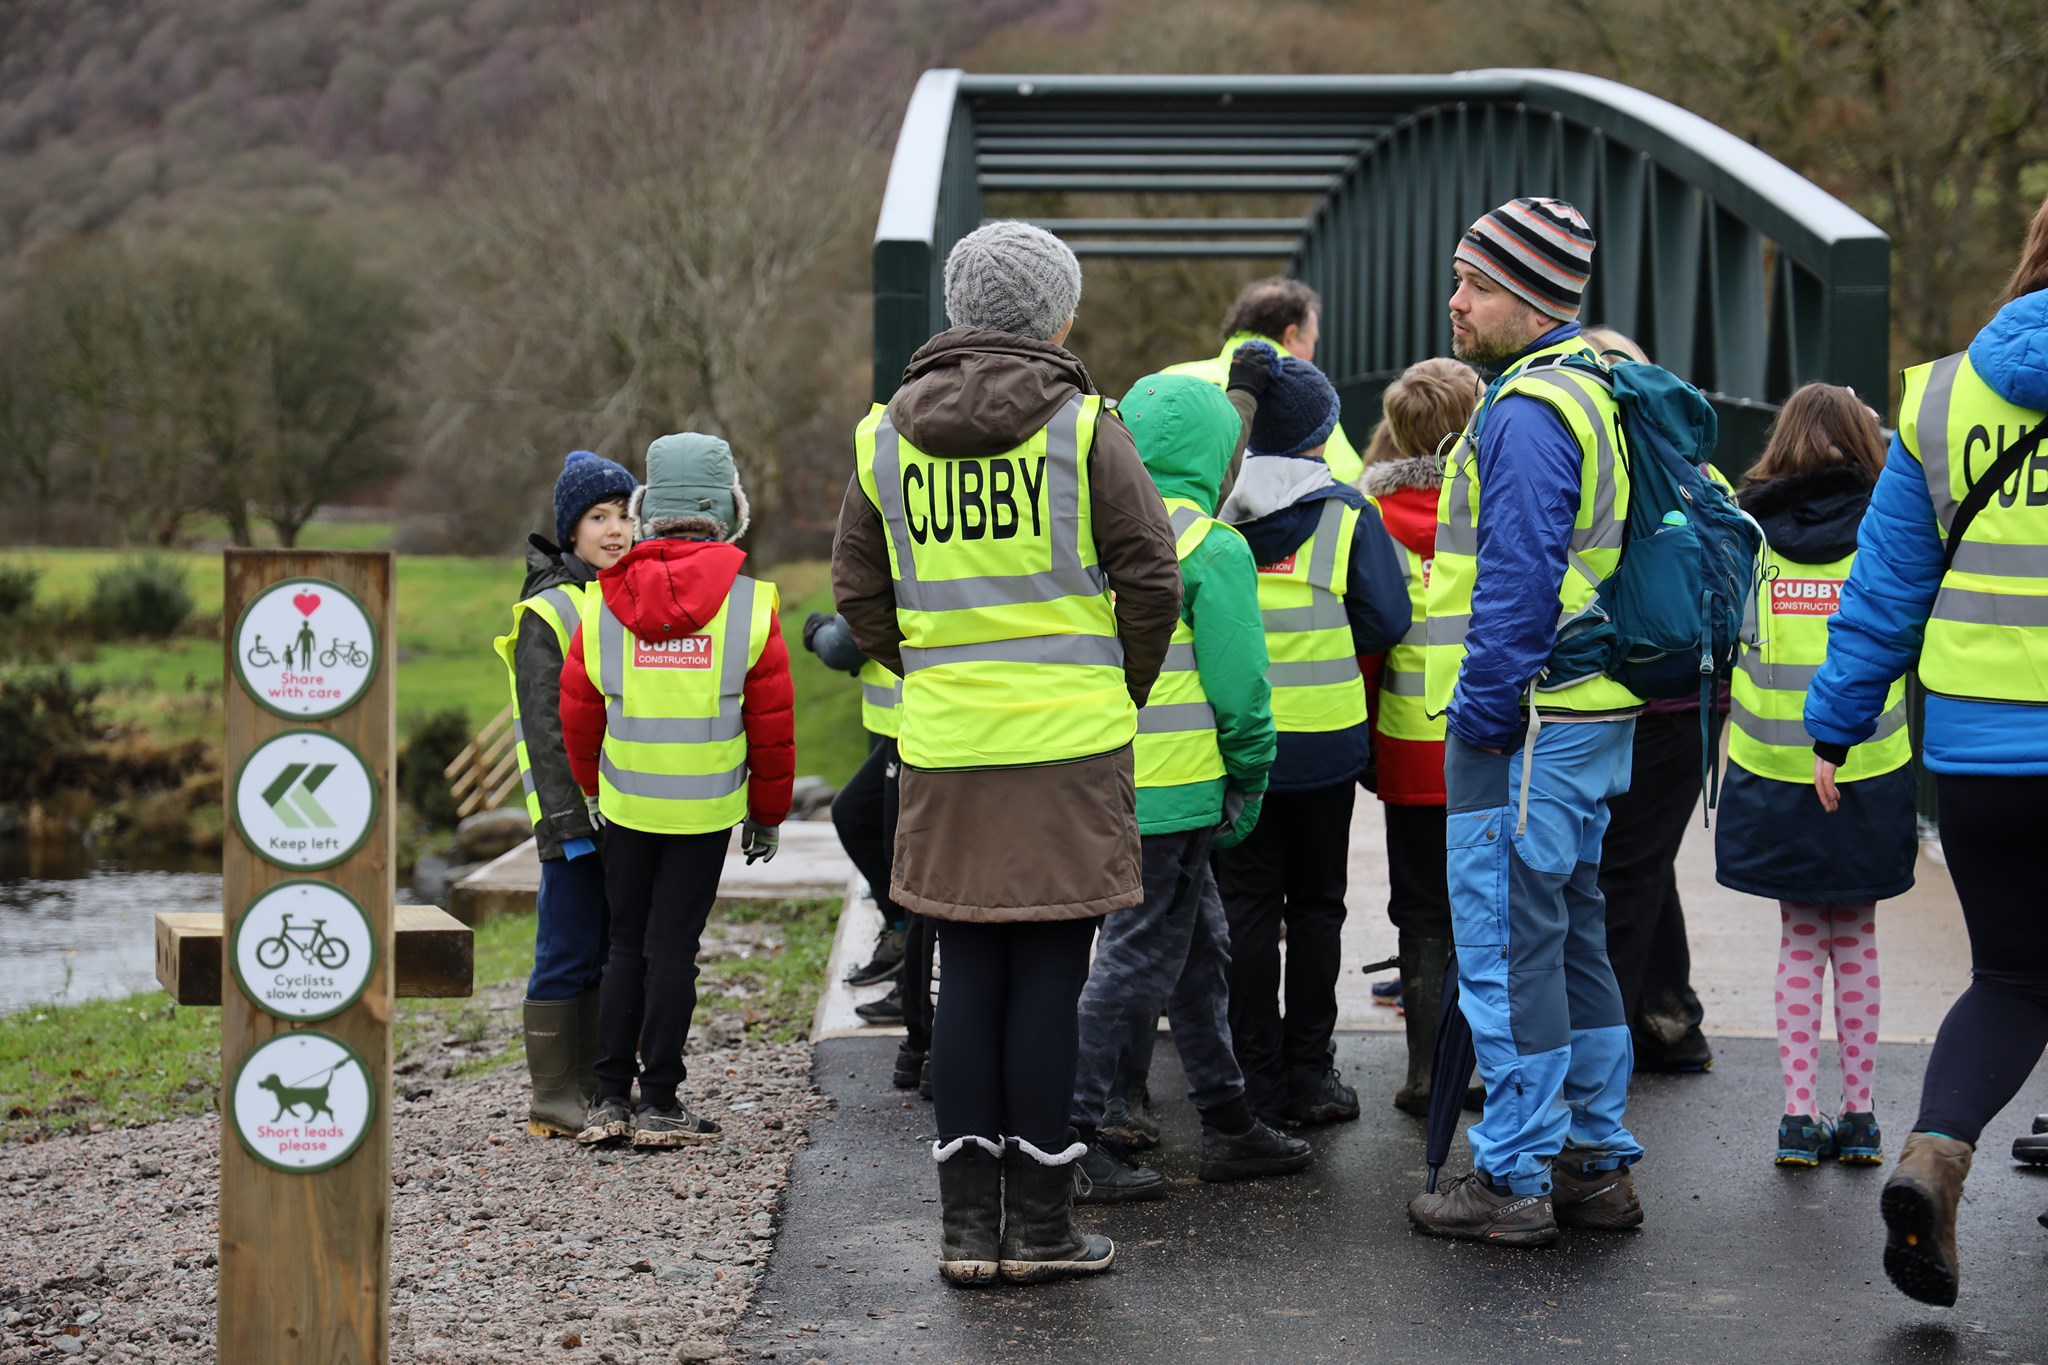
1187 432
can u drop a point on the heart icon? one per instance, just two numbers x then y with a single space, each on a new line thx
306 602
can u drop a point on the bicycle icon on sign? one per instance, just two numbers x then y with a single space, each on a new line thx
315 945
343 652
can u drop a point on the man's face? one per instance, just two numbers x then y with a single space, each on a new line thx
1299 340
1488 324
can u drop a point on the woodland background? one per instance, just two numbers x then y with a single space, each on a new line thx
267 259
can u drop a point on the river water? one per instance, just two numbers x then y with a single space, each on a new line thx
73 928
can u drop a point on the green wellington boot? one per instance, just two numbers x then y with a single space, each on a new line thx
553 1040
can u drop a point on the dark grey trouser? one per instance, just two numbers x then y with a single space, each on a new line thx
1170 952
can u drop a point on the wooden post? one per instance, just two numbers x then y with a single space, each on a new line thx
305 1253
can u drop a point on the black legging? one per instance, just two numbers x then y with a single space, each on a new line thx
1007 1035
1995 1032
864 816
660 887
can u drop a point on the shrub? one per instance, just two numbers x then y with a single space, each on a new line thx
46 726
17 589
149 596
431 744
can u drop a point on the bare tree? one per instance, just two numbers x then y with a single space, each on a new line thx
676 245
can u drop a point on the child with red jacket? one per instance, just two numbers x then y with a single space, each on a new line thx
678 718
1431 401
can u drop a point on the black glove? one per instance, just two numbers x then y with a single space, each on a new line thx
1251 365
811 624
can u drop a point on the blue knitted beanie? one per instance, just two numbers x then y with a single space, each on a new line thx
585 481
1297 412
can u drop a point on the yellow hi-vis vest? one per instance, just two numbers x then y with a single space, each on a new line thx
1590 413
881 693
1176 742
1404 714
1345 463
675 745
1987 638
560 606
1311 662
1768 736
1010 651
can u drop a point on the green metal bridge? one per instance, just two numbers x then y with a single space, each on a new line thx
1728 267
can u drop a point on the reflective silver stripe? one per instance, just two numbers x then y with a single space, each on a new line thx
726 725
525 766
1449 630
1101 650
736 646
1179 659
1460 532
1176 718
1324 612
611 652
1402 683
1778 677
2001 561
1322 563
673 786
1183 518
1313 673
1791 734
1933 422
1970 608
564 605
1584 570
1605 532
875 694
1067 577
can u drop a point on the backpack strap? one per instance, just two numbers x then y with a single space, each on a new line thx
2003 468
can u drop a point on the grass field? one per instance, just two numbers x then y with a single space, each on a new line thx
449 610
144 1058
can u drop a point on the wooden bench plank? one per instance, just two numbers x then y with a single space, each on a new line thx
435 959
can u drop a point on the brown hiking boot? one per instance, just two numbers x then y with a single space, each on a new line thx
1466 1206
1603 1200
1920 1217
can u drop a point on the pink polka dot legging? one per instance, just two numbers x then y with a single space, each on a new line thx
1812 937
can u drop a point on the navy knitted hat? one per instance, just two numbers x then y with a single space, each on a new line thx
1297 412
585 481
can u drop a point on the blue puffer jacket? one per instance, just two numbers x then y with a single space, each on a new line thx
1875 636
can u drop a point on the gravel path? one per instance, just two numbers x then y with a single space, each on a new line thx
504 1247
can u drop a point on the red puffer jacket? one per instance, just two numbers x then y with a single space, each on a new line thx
673 587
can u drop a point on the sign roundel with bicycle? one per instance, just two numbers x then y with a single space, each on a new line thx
304 799
302 1101
303 950
305 649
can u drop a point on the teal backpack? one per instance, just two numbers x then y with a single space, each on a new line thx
1670 620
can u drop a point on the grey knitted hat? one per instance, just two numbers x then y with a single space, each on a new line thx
692 490
1012 277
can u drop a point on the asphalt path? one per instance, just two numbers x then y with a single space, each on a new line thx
1738 1261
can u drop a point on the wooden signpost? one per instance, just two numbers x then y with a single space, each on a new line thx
305 1188
306 957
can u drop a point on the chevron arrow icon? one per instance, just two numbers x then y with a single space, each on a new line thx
290 795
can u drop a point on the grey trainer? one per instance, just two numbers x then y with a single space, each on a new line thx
1467 1207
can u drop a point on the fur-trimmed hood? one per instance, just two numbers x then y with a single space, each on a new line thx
1410 471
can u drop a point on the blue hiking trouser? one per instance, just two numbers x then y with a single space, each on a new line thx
570 938
1533 977
1170 952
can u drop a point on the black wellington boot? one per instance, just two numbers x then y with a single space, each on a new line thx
1422 1001
971 1207
1040 1241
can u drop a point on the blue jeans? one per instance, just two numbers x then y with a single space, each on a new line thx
1533 977
570 941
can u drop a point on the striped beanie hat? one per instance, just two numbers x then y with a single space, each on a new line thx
1540 250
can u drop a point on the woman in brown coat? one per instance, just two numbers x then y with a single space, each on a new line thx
1018 825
